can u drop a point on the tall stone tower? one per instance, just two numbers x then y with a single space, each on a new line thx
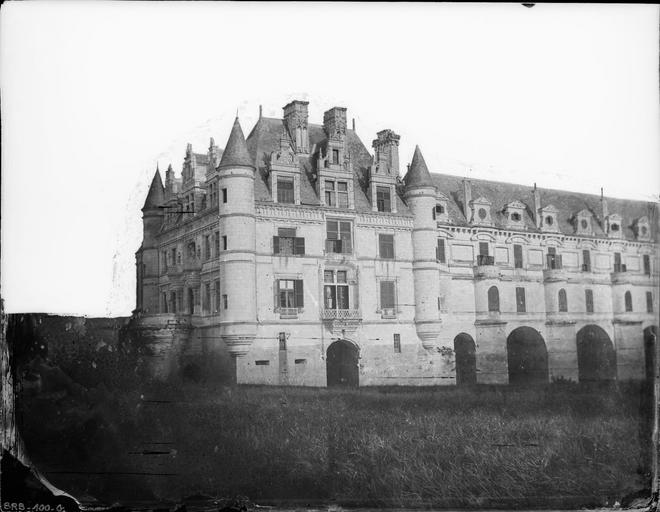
420 194
147 256
236 175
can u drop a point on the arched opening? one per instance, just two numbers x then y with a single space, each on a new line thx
527 357
493 299
595 355
342 364
466 359
563 301
650 340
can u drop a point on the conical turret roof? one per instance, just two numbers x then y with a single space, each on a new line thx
156 193
418 175
236 151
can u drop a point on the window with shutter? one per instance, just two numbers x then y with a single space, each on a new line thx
383 200
338 237
386 246
520 300
628 302
493 299
649 302
387 298
563 301
440 251
589 300
586 261
517 256
647 264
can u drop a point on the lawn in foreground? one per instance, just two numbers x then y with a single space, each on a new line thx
555 445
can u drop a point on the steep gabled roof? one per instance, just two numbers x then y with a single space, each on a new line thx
236 151
418 175
156 193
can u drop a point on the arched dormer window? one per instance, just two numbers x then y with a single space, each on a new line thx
493 299
627 298
563 301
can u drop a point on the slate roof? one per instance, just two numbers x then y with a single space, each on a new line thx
418 174
568 204
265 138
156 193
236 151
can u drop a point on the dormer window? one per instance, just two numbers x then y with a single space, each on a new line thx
549 219
583 221
335 156
642 229
613 226
513 214
481 211
440 209
383 199
285 190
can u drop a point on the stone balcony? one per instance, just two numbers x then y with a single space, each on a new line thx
486 268
554 269
341 320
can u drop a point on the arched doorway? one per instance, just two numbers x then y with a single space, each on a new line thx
650 340
466 359
527 357
342 364
595 355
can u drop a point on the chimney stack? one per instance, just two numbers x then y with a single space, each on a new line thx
537 207
296 116
467 198
603 204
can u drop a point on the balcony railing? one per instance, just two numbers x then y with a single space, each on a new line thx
553 261
338 246
483 259
341 314
618 267
288 312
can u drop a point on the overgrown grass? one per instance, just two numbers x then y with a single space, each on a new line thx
560 445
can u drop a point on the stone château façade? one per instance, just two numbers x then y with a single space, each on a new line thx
296 257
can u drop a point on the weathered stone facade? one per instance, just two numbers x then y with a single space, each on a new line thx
295 257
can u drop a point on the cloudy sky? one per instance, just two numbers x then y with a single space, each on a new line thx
95 94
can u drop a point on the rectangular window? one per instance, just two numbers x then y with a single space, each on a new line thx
338 237
342 194
216 301
483 248
224 242
207 297
387 300
649 302
517 256
397 343
386 246
589 300
335 289
335 156
282 340
520 300
225 302
224 195
586 261
383 202
330 193
287 243
647 264
262 362
207 247
289 295
440 251
217 243
285 190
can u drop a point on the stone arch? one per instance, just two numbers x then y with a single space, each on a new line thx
527 357
650 348
466 359
342 364
493 299
595 354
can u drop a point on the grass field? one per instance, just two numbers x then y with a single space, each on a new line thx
556 446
